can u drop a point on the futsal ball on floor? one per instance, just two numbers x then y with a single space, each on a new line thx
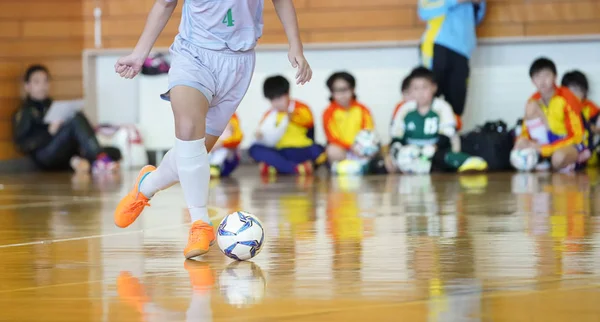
367 143
524 160
240 236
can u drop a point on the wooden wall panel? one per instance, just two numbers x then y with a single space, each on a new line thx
325 21
38 32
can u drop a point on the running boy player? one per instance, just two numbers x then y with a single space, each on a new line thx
211 68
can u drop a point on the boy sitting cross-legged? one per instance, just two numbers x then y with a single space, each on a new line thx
284 141
423 129
577 83
552 125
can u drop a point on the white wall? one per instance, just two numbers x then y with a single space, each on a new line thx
499 84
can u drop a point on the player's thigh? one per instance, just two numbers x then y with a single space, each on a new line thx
191 89
190 108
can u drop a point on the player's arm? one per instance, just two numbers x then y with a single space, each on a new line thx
332 132
303 117
480 13
287 15
367 121
574 126
429 9
25 135
447 121
234 140
157 19
161 12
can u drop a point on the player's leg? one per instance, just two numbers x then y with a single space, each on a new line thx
446 160
269 157
536 123
190 109
455 88
231 163
162 178
565 158
335 153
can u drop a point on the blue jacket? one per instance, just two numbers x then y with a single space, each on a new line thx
450 24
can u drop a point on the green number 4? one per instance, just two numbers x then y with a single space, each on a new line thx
228 19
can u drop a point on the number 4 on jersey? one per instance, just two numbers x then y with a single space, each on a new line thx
228 19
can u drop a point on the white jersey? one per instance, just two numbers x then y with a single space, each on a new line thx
234 25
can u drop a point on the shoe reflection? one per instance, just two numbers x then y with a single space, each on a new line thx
241 284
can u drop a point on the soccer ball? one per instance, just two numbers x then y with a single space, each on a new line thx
240 236
524 160
366 143
242 284
405 156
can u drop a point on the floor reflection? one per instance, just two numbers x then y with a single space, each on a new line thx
499 247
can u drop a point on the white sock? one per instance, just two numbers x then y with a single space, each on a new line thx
537 130
194 176
163 177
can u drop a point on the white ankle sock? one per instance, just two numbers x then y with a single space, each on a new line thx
194 176
537 130
163 177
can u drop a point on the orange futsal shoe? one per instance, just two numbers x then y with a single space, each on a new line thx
202 236
132 205
201 275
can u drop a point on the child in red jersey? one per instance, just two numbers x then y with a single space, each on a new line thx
552 124
577 83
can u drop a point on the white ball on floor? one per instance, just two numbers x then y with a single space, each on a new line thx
240 236
367 142
524 160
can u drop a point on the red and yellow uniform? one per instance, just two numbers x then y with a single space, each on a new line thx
563 114
301 122
290 148
235 134
590 113
343 124
589 110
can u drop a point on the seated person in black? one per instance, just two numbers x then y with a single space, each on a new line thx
57 146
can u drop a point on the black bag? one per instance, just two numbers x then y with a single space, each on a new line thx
492 142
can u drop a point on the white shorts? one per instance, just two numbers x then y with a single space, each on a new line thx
222 76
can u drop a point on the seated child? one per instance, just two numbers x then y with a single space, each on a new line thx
284 141
225 156
423 130
390 166
577 83
344 119
70 144
552 124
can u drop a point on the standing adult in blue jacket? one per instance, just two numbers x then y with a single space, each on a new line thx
448 43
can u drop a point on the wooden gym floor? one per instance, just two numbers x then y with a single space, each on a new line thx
499 247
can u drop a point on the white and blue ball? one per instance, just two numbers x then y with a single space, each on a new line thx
524 159
366 143
240 236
